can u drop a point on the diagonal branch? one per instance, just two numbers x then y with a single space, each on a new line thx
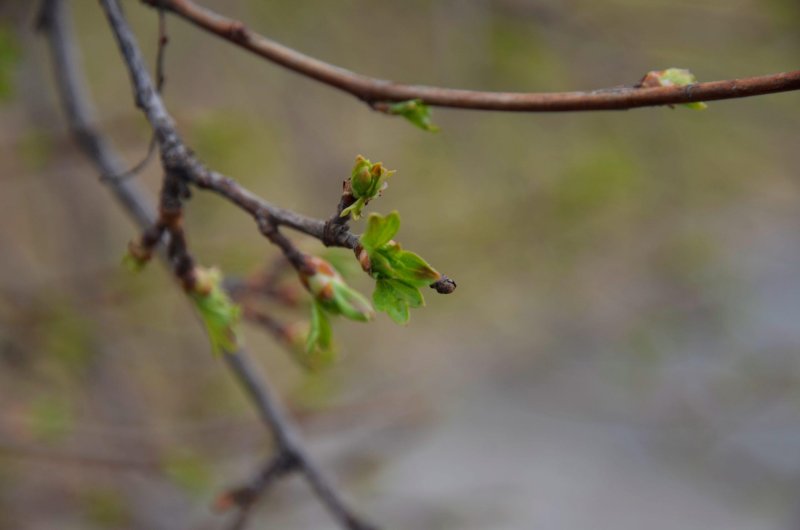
72 92
378 92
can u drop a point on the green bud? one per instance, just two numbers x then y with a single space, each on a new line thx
672 77
415 111
367 181
329 289
218 312
361 178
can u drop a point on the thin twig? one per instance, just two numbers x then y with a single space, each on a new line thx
378 92
245 497
163 39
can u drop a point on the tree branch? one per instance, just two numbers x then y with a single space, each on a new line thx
378 92
54 23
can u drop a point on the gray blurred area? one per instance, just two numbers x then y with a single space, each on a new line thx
622 351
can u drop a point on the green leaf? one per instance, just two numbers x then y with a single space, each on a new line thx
380 230
673 77
351 303
320 336
416 112
395 297
677 77
380 265
355 209
412 268
218 312
333 294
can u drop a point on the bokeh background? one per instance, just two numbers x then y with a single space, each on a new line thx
622 349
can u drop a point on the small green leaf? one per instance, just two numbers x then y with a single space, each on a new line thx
332 293
320 336
673 77
218 312
380 265
677 77
413 269
351 303
416 112
355 209
395 297
380 230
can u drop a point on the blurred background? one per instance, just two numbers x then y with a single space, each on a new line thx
622 349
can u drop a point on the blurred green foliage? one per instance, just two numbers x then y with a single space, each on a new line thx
189 470
10 56
51 418
105 508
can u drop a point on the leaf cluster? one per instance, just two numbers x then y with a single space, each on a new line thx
398 273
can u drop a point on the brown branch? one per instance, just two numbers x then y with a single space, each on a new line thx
378 92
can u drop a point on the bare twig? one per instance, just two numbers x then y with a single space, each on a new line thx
378 92
163 39
72 92
246 496
80 115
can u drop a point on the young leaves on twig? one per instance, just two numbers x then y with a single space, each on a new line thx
415 111
672 77
332 296
367 181
399 273
219 314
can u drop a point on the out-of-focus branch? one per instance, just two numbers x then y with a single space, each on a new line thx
163 39
80 115
378 93
54 23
